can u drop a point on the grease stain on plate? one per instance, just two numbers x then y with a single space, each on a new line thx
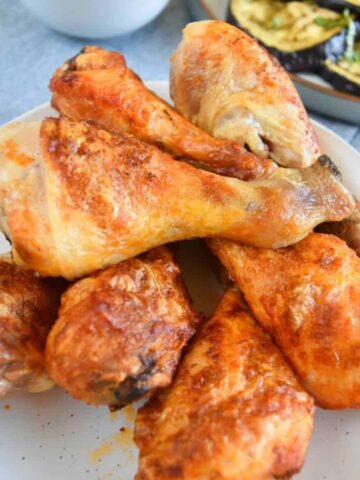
100 452
122 439
129 413
114 415
108 476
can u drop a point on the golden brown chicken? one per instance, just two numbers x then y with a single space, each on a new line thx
94 198
348 229
97 85
28 308
235 410
230 86
307 298
120 332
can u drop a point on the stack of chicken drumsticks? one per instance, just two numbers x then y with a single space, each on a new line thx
93 196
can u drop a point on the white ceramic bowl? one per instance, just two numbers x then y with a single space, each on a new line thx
95 18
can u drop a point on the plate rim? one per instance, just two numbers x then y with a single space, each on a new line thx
296 78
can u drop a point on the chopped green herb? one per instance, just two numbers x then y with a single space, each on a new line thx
345 21
350 41
355 57
328 23
274 22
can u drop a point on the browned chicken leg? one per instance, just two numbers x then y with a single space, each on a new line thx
97 85
120 332
28 308
235 410
306 298
348 229
93 198
230 86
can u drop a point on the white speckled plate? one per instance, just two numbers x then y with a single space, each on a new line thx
316 93
49 436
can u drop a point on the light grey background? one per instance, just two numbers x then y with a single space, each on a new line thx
30 52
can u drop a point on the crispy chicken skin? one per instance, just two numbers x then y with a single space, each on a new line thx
230 86
28 308
97 85
348 229
235 410
94 198
120 332
306 298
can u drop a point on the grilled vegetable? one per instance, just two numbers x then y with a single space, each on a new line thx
339 5
300 34
344 75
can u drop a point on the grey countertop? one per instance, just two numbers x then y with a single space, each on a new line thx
30 52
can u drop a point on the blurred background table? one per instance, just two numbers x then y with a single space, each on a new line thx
30 52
